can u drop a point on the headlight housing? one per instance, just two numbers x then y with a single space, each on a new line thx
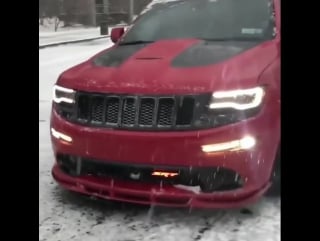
227 107
64 100
62 94
244 99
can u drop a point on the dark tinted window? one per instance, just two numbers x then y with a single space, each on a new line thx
208 19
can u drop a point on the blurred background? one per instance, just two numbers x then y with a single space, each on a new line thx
55 15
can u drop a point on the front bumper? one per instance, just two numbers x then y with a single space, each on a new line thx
172 149
147 194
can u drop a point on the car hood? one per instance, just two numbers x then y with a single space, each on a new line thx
172 67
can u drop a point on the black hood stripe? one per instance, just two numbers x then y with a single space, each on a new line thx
207 53
117 55
199 54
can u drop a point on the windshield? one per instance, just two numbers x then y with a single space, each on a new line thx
205 19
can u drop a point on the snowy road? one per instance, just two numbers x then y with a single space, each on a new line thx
65 216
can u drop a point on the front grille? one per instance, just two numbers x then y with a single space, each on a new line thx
97 110
209 179
139 112
166 111
128 113
146 114
149 113
112 110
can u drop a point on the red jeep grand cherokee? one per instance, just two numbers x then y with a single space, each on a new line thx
184 109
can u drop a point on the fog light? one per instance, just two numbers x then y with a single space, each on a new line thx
247 142
244 143
60 135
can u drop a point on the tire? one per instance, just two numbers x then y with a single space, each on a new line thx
275 189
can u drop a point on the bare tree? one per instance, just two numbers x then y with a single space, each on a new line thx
49 9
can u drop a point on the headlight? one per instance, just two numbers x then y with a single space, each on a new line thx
237 99
61 94
227 107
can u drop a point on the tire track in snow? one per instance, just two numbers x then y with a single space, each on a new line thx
208 225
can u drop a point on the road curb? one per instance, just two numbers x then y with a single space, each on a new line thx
71 41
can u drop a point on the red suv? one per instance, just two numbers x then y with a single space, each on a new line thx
184 109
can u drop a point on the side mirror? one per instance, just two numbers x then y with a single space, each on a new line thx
116 34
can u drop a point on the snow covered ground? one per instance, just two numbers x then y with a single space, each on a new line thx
64 216
48 36
68 35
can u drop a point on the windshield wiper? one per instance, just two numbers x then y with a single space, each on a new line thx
136 42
